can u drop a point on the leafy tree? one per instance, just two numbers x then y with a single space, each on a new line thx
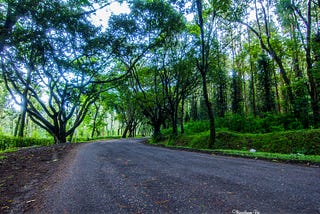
134 38
206 15
194 112
265 84
221 92
3 99
264 30
236 94
149 94
302 15
178 78
128 109
46 66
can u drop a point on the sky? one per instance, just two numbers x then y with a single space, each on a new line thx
101 17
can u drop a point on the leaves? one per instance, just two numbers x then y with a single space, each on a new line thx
53 57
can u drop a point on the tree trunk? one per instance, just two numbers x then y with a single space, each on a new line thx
17 126
95 120
277 92
22 122
194 108
253 91
157 136
24 103
124 134
203 67
132 129
252 85
60 138
174 121
182 115
210 113
313 86
71 136
60 134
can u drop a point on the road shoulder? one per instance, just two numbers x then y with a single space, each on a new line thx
28 172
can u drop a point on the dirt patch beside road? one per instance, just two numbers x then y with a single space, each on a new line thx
24 174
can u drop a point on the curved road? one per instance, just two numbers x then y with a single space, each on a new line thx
125 176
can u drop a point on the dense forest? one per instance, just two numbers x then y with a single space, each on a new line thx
158 67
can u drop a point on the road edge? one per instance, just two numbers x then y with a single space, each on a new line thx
273 160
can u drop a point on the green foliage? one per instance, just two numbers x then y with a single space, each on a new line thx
86 139
267 123
197 126
270 156
270 123
47 64
265 84
7 142
200 141
8 150
236 93
10 144
221 83
53 57
293 142
289 142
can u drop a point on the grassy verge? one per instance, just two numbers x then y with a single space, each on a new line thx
84 139
271 156
275 157
8 143
6 151
305 142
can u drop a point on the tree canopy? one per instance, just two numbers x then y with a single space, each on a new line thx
162 64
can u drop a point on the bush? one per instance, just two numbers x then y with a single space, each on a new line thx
267 123
292 142
200 141
264 124
7 142
197 126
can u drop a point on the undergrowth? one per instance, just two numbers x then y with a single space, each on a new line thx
290 142
8 143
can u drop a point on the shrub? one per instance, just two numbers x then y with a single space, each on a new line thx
197 126
200 141
7 142
290 142
264 124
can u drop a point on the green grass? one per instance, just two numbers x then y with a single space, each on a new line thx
85 139
7 142
305 142
300 158
270 156
8 150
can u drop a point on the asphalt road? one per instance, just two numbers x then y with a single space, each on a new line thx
125 176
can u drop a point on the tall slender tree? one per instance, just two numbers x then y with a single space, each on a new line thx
265 84
204 39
